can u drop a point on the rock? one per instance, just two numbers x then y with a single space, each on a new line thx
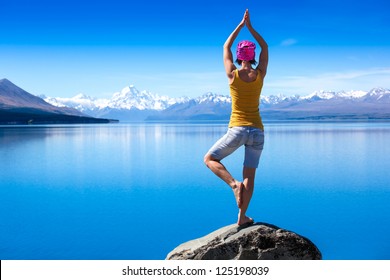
258 241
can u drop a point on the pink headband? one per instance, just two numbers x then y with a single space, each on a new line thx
246 50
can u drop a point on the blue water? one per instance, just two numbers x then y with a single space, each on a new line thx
136 191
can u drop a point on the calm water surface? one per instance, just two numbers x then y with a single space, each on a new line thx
136 191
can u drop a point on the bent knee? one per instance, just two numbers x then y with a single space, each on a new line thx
208 158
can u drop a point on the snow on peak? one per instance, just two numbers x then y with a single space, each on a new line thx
81 102
320 95
129 90
214 98
128 98
275 99
131 98
379 91
352 94
82 96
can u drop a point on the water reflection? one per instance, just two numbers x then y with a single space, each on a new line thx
80 191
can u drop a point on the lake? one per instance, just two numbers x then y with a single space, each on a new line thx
138 190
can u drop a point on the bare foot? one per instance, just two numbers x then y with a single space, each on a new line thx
245 220
238 189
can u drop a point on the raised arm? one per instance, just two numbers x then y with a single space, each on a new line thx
263 57
227 53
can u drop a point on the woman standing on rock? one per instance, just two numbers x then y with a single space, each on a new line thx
245 126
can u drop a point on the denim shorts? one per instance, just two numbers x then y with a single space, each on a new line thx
251 137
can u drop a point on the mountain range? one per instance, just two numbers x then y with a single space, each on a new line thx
130 104
17 106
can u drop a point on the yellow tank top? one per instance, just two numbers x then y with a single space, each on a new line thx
245 102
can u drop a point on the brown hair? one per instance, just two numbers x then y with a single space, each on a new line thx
253 61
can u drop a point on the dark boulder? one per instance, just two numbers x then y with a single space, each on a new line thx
254 242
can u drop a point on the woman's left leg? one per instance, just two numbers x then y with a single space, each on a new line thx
220 170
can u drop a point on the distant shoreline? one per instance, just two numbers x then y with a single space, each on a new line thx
19 118
68 119
211 122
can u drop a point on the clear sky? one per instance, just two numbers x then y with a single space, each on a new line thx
63 48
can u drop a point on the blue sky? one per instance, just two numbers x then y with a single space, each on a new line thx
62 48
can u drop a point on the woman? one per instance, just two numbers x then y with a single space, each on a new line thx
245 126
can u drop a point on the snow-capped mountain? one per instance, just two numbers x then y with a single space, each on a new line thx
213 98
132 104
130 98
127 99
327 95
80 102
